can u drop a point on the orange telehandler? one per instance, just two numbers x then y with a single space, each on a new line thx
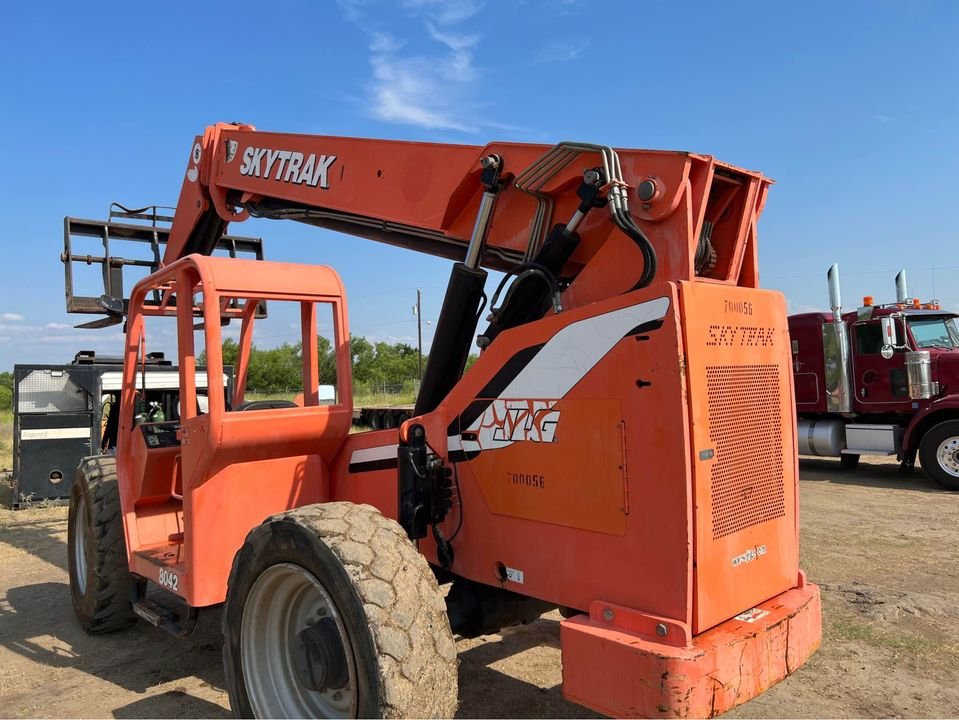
623 449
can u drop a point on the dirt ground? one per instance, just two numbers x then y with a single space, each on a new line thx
882 546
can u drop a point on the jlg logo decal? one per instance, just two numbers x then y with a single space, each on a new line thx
507 421
291 167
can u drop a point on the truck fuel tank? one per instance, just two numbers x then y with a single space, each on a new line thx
826 438
919 373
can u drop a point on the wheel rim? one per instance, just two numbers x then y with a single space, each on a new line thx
948 455
287 609
80 544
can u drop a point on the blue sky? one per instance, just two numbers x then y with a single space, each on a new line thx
852 107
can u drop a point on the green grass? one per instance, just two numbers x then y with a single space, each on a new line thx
6 439
369 399
898 641
363 399
270 396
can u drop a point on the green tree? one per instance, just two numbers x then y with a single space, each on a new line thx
326 356
6 390
364 359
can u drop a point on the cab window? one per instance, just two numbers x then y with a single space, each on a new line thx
868 338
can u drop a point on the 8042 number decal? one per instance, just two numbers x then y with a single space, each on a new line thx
168 580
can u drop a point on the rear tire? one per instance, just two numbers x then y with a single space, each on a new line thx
848 461
100 581
939 454
379 627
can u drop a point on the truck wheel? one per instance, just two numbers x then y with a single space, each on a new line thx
848 461
100 580
331 612
939 454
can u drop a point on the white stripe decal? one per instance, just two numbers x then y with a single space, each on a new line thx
55 433
561 363
577 348
374 454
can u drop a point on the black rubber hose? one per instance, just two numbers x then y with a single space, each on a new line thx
625 222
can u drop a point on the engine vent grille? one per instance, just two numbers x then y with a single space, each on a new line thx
745 428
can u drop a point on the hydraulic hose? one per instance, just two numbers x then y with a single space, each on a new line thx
624 221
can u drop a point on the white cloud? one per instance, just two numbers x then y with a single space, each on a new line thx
12 317
445 12
18 329
433 85
394 339
797 308
882 119
556 51
57 326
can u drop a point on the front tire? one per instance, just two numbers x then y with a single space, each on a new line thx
100 581
939 454
331 612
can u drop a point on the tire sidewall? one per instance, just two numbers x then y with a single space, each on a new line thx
83 603
291 542
928 453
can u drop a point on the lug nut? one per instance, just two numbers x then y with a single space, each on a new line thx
608 615
661 630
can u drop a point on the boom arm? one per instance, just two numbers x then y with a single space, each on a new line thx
427 197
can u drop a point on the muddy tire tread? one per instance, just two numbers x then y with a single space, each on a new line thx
110 583
405 610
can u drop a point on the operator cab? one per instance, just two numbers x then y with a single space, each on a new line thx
221 443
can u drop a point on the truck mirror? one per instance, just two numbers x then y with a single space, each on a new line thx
889 338
887 351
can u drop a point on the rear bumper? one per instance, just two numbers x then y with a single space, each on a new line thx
623 674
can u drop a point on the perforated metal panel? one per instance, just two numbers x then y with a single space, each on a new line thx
43 391
745 427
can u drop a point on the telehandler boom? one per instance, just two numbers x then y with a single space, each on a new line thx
623 449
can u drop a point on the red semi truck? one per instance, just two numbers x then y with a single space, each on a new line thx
880 380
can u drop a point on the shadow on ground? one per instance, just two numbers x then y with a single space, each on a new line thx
36 622
486 691
878 475
171 704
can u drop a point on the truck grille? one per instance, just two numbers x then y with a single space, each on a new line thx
745 428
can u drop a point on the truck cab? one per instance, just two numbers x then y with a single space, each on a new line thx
880 380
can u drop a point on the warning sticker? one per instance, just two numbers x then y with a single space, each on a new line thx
752 615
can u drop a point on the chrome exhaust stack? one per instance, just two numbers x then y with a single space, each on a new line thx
835 343
902 292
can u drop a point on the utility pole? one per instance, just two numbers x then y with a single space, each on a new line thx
419 335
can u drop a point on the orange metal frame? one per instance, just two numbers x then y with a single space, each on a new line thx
632 457
188 508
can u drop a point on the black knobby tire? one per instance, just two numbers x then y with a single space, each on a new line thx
929 447
384 595
848 461
100 581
